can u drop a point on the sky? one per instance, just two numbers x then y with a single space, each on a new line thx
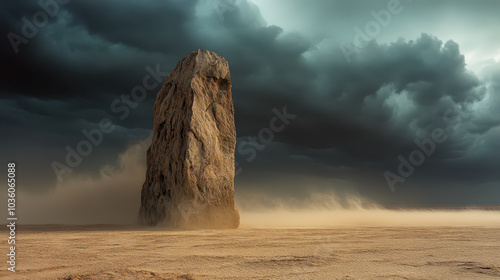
394 101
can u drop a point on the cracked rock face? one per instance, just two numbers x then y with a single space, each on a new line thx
190 164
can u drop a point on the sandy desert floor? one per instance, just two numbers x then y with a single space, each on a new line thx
120 252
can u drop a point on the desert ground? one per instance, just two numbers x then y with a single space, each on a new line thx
385 251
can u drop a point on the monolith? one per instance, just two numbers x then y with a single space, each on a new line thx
190 163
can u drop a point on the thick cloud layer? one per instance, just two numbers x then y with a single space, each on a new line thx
355 117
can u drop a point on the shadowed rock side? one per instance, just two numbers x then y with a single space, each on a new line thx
190 164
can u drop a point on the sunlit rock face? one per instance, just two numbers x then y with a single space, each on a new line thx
190 164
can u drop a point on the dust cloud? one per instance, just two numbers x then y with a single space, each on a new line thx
368 217
113 197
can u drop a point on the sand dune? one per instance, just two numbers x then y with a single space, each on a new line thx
353 252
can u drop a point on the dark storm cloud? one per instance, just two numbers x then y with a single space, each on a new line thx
351 109
378 86
155 26
353 118
64 59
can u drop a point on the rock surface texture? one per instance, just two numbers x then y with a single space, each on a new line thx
190 164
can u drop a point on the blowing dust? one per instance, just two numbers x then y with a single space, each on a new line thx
369 217
114 198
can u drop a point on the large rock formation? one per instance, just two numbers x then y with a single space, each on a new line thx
190 164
